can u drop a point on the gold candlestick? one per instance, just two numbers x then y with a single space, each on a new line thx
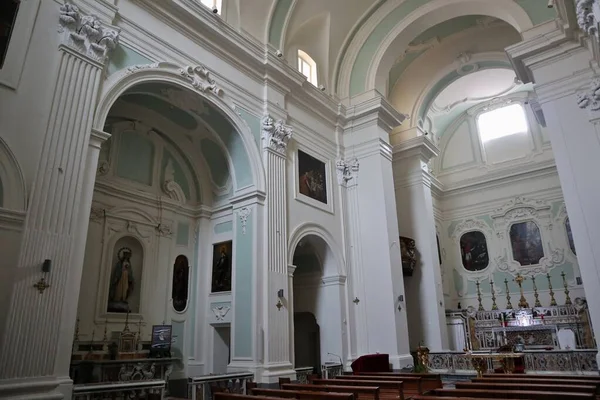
552 299
522 301
568 301
494 306
535 293
479 297
508 305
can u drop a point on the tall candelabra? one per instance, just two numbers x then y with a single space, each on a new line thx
522 301
479 298
535 293
508 305
552 299
494 306
568 301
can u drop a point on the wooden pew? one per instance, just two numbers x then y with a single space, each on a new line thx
359 392
388 390
525 381
524 386
234 396
510 394
429 381
543 376
302 394
427 397
412 384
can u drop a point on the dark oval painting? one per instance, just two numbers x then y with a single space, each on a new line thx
526 242
181 273
474 251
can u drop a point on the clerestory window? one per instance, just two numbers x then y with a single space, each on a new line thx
502 122
308 67
8 15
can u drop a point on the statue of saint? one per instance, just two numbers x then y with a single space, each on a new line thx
121 282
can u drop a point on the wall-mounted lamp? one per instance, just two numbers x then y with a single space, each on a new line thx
280 293
400 300
42 285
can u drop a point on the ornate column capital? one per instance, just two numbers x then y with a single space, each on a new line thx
86 34
275 134
347 171
588 15
591 98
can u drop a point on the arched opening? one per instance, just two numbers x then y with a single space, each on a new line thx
176 152
318 304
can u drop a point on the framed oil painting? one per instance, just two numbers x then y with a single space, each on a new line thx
408 253
474 251
221 272
179 292
312 181
570 236
161 337
526 243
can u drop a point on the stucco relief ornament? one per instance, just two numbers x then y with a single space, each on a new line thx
170 187
200 79
244 213
275 134
220 312
164 230
590 99
586 17
347 170
103 168
86 34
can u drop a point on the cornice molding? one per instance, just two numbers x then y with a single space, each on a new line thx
12 220
419 146
371 107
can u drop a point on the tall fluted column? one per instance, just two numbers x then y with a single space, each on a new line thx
34 354
347 174
275 137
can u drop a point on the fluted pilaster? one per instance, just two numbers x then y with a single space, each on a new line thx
39 322
275 136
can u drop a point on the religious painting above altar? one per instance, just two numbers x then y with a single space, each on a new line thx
526 243
474 251
221 273
312 180
123 294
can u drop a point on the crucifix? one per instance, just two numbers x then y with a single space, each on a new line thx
522 301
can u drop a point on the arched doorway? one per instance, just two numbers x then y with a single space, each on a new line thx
176 152
318 304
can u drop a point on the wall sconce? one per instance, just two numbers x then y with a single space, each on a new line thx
42 285
280 293
400 300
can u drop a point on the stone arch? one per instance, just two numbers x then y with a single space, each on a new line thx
363 64
13 193
198 81
312 229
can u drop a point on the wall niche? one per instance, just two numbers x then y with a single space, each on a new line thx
179 292
125 276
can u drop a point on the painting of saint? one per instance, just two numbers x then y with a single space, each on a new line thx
311 177
474 251
526 242
221 273
121 282
179 294
408 255
570 236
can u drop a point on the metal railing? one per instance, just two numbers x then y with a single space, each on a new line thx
151 389
330 370
303 373
200 387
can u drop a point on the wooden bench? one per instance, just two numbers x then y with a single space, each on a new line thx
510 394
525 381
359 392
428 381
427 397
526 386
302 394
234 396
388 390
544 376
412 384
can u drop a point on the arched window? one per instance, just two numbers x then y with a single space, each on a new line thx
308 67
181 274
501 122
213 4
474 251
8 15
570 235
526 243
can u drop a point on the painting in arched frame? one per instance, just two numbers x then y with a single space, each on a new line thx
570 235
474 251
526 243
125 276
181 274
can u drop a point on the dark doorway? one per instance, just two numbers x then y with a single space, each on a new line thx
307 341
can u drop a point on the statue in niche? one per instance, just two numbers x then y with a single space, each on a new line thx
221 276
180 283
121 282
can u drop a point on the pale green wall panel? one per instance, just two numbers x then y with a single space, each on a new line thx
123 57
223 227
537 10
244 248
162 107
178 335
216 160
179 175
136 158
282 8
253 122
183 234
